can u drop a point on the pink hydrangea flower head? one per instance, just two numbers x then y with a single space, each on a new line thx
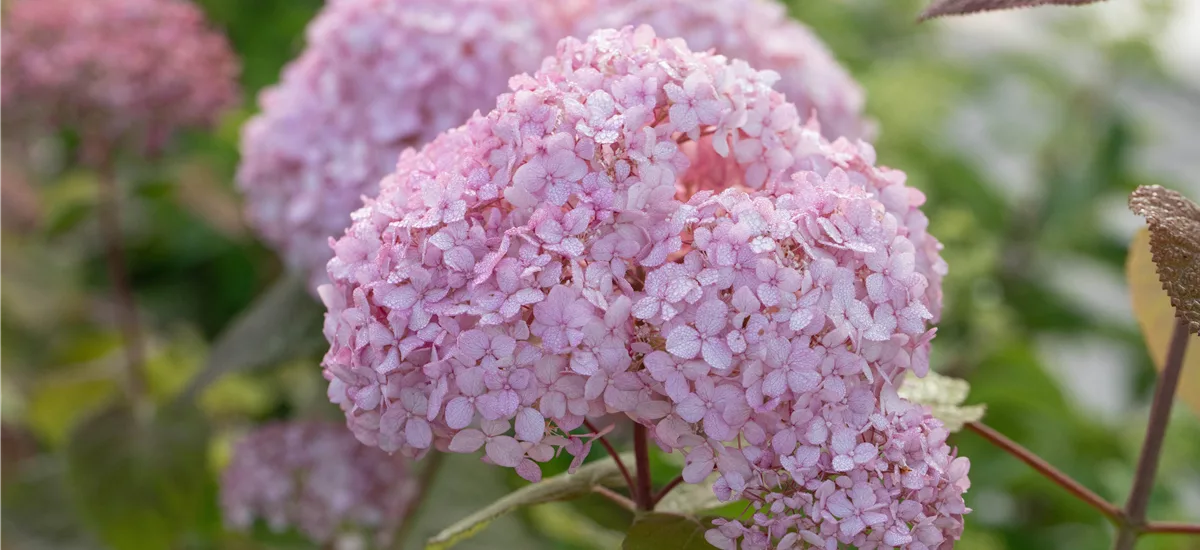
376 76
318 479
644 230
759 32
132 71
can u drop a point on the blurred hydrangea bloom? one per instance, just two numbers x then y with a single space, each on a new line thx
130 71
640 229
759 32
318 479
377 76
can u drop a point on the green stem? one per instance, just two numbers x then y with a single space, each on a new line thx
427 476
114 252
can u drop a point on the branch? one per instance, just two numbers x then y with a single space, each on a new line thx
616 497
665 490
616 458
1156 430
644 494
114 254
1171 528
1050 472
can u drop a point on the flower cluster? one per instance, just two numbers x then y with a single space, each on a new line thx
115 70
640 229
382 75
376 76
316 478
759 32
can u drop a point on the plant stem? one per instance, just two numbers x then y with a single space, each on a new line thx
616 457
1147 467
666 489
1171 528
426 479
127 318
1053 474
615 497
643 495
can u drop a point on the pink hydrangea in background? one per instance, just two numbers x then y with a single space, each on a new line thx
377 76
382 75
316 478
571 254
759 32
114 70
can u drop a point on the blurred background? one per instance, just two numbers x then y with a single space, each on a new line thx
1027 130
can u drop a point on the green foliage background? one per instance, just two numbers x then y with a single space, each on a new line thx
1026 150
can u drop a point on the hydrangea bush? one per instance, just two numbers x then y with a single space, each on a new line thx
129 71
378 76
316 478
644 230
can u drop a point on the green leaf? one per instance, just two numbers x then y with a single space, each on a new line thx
659 531
944 396
561 522
283 323
35 497
691 498
141 480
560 487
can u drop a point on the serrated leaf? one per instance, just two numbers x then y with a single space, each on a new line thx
140 482
283 323
944 397
560 487
659 531
1156 318
690 498
1174 246
941 8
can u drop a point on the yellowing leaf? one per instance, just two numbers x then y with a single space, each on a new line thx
944 396
1156 317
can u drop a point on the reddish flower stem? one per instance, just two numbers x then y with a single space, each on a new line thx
666 489
643 495
1053 474
1171 528
127 319
1156 430
616 457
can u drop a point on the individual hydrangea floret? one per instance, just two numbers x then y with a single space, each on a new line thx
759 32
129 71
376 76
640 229
315 477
